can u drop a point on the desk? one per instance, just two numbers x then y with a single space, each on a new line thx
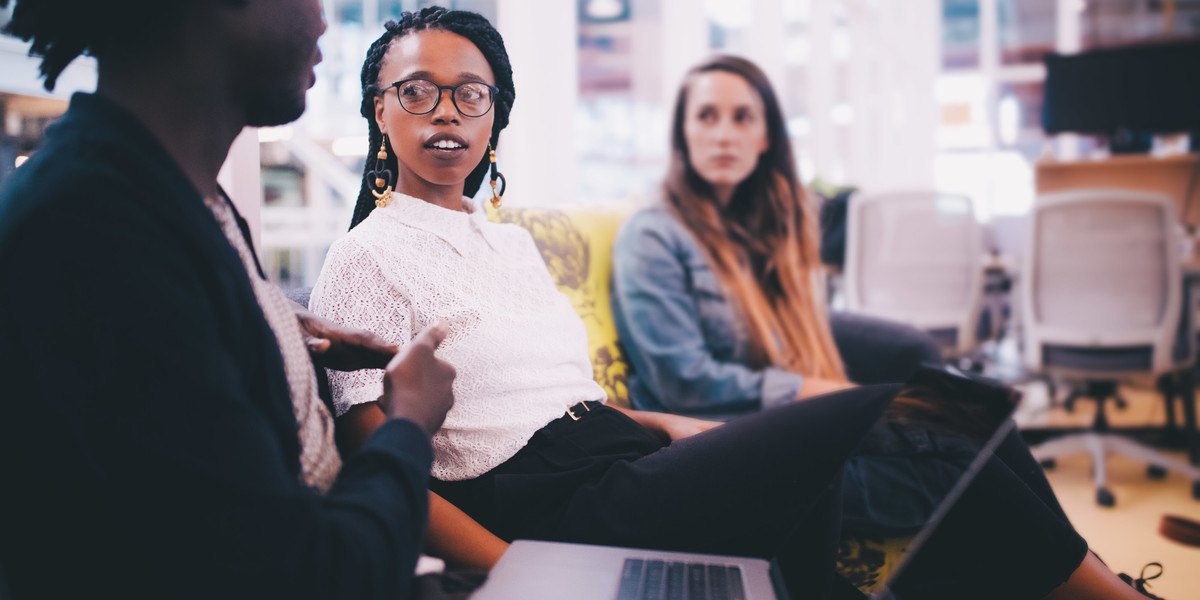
1174 176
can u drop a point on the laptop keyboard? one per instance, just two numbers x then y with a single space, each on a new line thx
651 579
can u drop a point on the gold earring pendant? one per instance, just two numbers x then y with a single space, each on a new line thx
497 194
382 177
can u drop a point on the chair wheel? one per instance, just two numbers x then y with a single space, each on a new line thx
1155 472
1196 490
1048 464
1106 498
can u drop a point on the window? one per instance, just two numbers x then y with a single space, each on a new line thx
960 34
1027 30
1120 22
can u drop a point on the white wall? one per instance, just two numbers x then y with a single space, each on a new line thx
241 176
537 151
892 78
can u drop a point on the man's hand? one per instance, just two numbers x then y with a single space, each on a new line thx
418 385
342 348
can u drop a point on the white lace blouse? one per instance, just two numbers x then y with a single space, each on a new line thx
519 348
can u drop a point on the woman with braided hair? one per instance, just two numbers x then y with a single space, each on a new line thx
487 39
531 449
471 545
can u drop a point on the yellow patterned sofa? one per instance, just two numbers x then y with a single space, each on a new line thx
576 244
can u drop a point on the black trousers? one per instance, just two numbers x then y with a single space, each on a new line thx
764 485
876 350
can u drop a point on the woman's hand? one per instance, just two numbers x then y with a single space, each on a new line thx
816 386
668 426
677 427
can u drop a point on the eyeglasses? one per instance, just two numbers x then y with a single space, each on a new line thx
421 96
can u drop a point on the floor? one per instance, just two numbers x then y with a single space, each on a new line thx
1126 535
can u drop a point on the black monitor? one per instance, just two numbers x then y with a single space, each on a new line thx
1128 93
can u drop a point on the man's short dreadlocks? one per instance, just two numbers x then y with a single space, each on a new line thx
62 30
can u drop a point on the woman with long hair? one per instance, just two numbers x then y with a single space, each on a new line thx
717 304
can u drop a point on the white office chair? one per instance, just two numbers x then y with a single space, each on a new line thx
916 258
1103 303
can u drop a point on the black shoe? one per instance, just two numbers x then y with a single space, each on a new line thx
1140 584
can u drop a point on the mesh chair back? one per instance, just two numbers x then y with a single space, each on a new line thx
916 258
1103 273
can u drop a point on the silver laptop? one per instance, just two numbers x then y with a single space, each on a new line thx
531 570
963 417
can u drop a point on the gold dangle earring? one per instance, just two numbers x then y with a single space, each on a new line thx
382 176
497 194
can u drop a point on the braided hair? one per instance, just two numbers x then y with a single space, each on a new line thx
470 25
62 30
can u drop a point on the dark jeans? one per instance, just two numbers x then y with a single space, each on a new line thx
1006 538
764 485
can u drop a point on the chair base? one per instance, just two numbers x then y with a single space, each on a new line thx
1075 395
1100 446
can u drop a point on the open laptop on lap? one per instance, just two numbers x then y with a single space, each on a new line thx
947 423
532 570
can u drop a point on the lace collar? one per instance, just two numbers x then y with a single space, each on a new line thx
457 228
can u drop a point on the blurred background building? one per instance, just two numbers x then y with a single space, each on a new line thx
879 94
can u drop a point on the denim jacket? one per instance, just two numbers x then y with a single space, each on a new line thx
687 343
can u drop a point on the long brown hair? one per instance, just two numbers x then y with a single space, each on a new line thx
763 245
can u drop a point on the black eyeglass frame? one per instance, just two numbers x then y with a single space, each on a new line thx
493 90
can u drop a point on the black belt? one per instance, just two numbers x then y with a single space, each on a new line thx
577 411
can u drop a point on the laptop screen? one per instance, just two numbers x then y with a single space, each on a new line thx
912 467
